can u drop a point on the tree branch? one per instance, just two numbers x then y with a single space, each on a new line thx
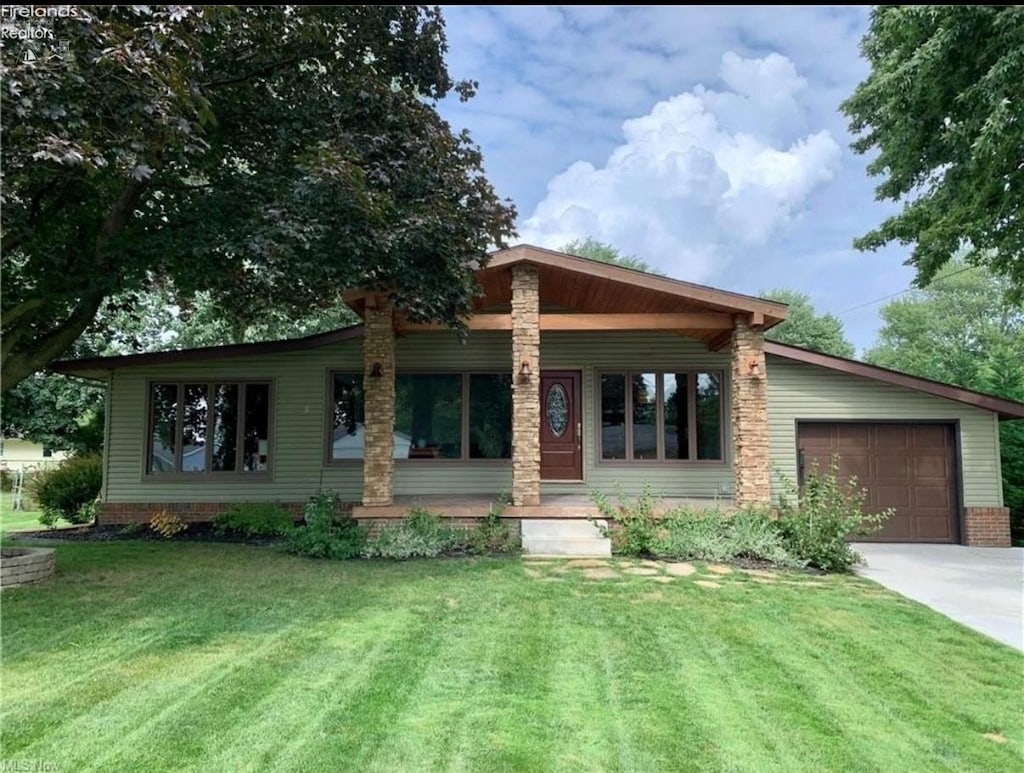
263 71
40 352
13 314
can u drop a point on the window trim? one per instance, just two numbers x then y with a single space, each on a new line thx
208 475
464 436
691 410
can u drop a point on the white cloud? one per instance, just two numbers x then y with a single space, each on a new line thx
701 178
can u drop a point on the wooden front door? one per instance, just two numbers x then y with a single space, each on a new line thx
561 426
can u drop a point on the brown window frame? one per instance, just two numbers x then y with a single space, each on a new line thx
464 435
691 374
207 473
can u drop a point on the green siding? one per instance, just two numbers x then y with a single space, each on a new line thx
300 381
796 391
800 391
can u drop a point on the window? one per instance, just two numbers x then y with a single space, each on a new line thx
47 452
437 416
218 427
661 416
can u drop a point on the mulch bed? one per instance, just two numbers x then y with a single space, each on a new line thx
196 532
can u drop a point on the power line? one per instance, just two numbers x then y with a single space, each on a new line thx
901 292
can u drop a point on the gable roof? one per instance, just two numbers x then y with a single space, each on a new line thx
1007 409
707 297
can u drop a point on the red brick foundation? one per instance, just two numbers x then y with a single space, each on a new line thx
987 527
190 512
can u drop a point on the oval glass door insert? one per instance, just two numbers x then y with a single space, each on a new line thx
557 410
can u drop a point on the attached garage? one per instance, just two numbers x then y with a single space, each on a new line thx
928 450
910 467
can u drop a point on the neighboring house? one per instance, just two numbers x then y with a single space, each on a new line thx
574 376
16 454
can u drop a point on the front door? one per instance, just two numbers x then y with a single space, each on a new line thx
561 426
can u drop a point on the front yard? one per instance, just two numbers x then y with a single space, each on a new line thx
153 656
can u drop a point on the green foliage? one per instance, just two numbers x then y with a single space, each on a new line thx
805 327
421 535
597 250
133 529
254 519
49 518
945 133
256 154
635 522
816 521
328 532
167 524
68 490
493 536
713 535
960 330
59 412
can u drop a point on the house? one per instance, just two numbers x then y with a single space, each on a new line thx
18 454
574 376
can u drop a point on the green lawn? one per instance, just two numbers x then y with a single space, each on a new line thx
17 520
155 656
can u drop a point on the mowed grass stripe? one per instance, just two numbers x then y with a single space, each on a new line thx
221 657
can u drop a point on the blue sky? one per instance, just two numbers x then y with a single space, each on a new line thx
706 141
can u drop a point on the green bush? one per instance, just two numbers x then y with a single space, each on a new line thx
712 535
421 535
492 537
636 526
68 489
326 533
816 521
254 519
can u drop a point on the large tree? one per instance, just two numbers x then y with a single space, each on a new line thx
960 330
267 156
595 249
805 327
942 113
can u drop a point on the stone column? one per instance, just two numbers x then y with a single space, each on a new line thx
525 390
379 402
750 416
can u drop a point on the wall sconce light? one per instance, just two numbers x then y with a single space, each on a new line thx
524 371
755 368
377 371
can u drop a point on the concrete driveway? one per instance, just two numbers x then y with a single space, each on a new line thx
983 588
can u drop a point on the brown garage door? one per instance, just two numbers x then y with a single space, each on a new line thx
909 467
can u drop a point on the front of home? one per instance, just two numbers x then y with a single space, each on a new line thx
574 376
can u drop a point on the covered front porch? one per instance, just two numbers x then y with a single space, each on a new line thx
532 295
549 506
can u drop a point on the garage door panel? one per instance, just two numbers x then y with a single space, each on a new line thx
908 467
853 436
891 496
930 465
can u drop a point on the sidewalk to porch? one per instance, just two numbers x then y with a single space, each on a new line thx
478 505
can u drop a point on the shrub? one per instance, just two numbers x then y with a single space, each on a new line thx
132 529
326 533
493 535
167 524
254 519
636 524
712 535
67 489
422 534
816 521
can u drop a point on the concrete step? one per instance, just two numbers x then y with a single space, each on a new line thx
564 537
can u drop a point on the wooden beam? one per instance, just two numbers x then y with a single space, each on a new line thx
654 321
757 319
476 322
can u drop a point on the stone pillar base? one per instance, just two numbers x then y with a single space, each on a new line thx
987 527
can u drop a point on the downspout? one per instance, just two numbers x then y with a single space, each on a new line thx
106 439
